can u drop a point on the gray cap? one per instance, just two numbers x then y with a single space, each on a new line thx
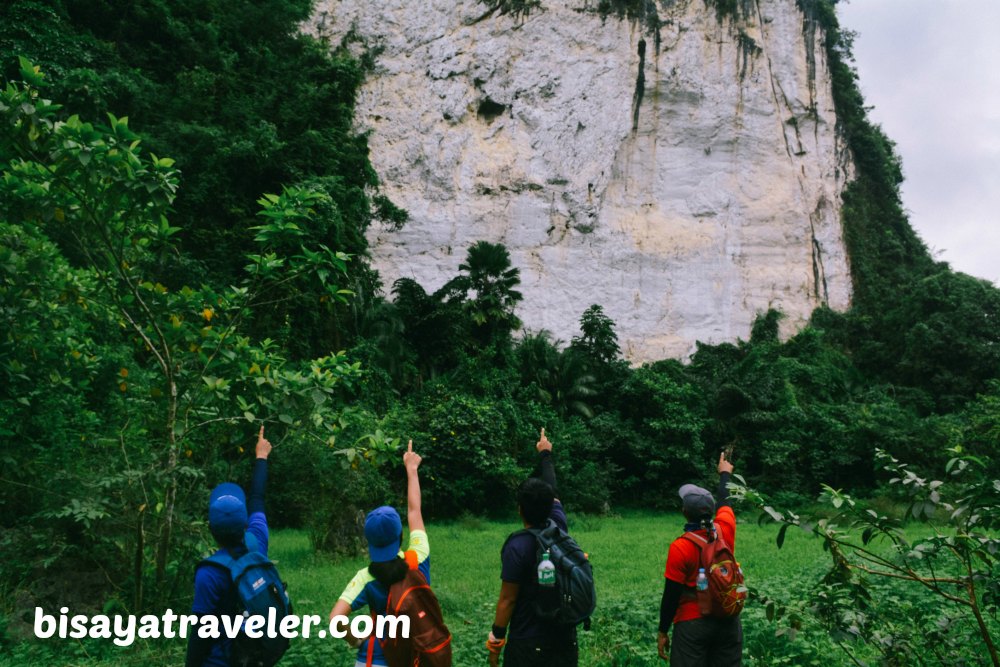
698 502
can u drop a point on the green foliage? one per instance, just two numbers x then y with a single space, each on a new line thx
459 434
912 322
943 342
655 440
243 101
434 326
516 8
177 369
734 10
560 378
956 565
486 289
598 339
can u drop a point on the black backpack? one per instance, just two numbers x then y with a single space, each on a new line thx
258 589
576 597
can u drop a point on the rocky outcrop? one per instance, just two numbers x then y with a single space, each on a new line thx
684 172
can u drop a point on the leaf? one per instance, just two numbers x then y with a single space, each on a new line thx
781 535
773 513
30 73
318 397
285 418
350 453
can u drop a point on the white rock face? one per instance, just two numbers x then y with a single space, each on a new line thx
686 183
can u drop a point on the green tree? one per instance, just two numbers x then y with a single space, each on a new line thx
598 339
487 286
190 367
560 377
655 433
245 102
433 325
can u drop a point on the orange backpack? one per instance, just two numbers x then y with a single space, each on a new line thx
726 593
429 643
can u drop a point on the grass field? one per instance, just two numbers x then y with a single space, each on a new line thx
627 553
628 556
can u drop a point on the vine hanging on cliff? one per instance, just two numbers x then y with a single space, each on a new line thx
516 8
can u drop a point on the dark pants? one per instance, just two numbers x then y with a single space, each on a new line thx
707 642
542 652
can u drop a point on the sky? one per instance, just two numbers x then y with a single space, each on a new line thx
931 69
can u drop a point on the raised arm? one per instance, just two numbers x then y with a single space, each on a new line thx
545 470
725 472
258 484
414 517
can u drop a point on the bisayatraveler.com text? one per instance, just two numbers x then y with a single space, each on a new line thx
125 629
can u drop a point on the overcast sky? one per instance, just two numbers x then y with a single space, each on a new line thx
931 69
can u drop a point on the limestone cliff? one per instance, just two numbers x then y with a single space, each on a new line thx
684 172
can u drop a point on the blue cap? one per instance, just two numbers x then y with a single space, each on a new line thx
227 510
384 532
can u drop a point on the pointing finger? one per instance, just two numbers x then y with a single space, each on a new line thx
543 433
261 434
409 446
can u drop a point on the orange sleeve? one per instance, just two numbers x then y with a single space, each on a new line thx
727 525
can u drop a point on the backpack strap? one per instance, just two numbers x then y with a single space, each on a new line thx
224 558
220 559
412 559
534 532
697 539
523 531
371 644
550 526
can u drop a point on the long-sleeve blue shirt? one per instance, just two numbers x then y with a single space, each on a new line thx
214 593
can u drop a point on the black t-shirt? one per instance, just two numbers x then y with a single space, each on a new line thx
519 560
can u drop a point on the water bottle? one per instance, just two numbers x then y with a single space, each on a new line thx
701 583
546 571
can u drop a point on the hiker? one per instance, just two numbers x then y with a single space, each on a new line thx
371 586
530 641
699 639
233 521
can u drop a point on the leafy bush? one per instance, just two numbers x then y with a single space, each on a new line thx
951 572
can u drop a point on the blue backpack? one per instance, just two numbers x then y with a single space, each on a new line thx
259 589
